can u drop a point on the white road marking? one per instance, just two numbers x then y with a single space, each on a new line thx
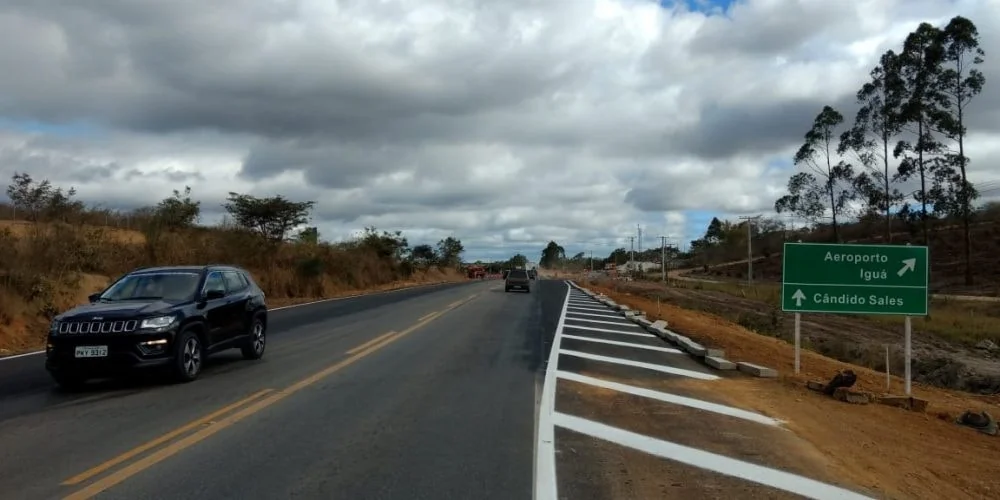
619 316
669 398
639 364
619 323
586 308
608 330
781 480
623 344
545 448
587 302
33 353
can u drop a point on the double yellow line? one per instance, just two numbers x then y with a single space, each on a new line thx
225 417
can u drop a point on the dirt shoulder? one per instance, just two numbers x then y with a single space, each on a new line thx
898 453
955 347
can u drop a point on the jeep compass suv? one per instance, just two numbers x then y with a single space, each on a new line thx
163 317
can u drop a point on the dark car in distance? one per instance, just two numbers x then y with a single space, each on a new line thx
161 317
517 278
532 274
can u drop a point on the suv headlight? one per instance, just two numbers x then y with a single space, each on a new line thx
157 322
54 327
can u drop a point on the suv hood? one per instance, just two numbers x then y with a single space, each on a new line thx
122 309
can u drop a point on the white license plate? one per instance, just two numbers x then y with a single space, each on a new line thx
91 351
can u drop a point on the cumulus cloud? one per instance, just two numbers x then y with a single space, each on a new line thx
504 123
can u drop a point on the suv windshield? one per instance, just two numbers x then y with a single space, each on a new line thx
173 286
517 274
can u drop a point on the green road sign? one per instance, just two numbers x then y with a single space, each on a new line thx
854 279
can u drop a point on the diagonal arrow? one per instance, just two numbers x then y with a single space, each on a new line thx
908 265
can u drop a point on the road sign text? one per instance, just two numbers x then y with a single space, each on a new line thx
863 279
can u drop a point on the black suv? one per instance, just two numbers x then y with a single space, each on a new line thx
517 278
166 317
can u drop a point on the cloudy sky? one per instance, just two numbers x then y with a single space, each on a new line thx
505 123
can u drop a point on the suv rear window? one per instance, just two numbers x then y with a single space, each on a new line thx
518 274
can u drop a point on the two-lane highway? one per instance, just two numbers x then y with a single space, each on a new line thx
423 393
437 393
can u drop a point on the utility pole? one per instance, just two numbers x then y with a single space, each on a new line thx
638 231
631 254
663 255
591 261
750 219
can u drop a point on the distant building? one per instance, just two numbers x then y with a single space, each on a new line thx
643 267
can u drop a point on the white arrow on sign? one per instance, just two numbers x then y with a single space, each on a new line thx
798 297
908 265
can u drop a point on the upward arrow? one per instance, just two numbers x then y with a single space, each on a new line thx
798 297
908 265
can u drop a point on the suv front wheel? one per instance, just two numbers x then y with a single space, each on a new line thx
253 347
189 357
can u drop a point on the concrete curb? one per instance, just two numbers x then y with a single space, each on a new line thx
719 363
756 370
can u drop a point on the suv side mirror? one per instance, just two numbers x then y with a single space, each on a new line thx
94 297
214 294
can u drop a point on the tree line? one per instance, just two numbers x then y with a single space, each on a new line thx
553 256
272 219
909 130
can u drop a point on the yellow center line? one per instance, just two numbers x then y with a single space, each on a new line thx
89 473
371 342
196 437
428 315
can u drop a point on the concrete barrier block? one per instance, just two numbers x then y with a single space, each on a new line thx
672 337
659 332
756 370
634 314
660 323
642 321
719 363
622 307
679 338
693 348
714 353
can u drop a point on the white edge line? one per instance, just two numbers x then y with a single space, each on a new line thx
5 358
670 350
357 295
639 364
608 330
546 487
33 353
671 398
809 488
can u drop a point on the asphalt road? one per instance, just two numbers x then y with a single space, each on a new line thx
432 393
338 408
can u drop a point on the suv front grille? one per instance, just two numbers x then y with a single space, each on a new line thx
85 327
